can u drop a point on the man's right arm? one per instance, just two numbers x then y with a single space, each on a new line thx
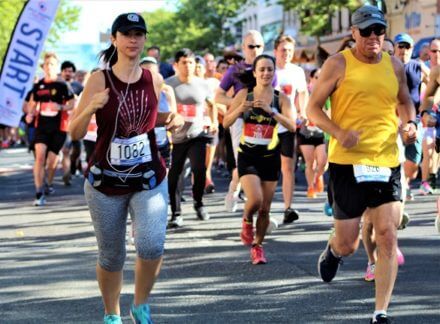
431 89
226 83
332 71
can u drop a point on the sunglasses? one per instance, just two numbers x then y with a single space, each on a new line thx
404 46
378 30
254 46
435 51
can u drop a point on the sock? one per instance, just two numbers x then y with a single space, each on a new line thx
378 312
38 194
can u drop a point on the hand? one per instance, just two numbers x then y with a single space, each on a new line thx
429 120
263 105
174 122
409 134
29 118
348 138
213 128
99 100
245 106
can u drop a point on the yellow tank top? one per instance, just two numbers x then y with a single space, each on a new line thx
366 101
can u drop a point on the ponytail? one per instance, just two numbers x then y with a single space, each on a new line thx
109 55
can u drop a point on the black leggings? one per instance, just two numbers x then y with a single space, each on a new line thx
195 150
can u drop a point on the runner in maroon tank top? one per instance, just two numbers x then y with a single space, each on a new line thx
126 172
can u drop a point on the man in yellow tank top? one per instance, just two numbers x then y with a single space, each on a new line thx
365 85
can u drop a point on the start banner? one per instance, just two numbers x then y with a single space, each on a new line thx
21 58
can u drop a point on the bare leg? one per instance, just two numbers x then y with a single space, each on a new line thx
287 170
146 273
110 284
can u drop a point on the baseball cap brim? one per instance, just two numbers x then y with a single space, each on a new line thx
125 29
370 22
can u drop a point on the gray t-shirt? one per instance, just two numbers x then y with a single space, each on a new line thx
191 104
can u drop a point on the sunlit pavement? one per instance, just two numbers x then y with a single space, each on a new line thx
48 254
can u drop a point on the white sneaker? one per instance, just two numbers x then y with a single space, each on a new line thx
40 201
437 224
231 202
273 225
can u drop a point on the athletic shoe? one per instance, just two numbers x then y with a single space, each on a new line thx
381 319
369 274
405 220
425 188
141 314
202 214
257 255
319 184
273 225
231 202
66 179
175 222
328 210
328 264
400 257
409 195
311 193
48 190
247 233
40 201
290 215
112 319
437 224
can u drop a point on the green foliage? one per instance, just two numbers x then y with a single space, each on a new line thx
316 15
196 24
66 18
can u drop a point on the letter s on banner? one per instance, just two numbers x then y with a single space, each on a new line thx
21 58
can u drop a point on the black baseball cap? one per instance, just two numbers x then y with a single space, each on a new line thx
368 15
128 21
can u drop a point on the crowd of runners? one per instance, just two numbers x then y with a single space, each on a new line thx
368 117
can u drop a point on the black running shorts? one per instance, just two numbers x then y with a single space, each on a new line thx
287 144
54 140
266 168
315 141
350 199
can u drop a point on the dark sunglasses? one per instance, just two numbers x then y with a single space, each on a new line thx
435 51
378 30
254 46
404 46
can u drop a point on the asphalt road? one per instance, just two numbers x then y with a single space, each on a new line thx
48 255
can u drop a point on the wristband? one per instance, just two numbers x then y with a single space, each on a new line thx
273 113
412 122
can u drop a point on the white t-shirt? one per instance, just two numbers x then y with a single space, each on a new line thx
291 80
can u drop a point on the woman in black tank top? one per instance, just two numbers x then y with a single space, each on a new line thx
125 170
262 109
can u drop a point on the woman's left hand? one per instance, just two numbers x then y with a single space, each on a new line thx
174 122
263 105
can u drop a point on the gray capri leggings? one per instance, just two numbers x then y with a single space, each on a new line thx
148 210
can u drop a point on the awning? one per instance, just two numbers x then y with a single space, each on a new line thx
332 47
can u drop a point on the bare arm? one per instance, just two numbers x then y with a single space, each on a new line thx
332 73
238 106
431 89
94 97
303 98
222 98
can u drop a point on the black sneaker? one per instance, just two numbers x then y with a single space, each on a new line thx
175 222
48 190
202 214
328 264
209 189
381 319
66 179
290 215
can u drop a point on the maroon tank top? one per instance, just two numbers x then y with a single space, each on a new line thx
135 119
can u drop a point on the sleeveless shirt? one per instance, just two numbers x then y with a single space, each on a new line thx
127 114
366 101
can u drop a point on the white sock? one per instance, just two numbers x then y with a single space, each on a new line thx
378 312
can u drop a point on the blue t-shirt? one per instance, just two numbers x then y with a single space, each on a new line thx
413 70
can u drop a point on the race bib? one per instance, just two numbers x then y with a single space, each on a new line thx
49 109
188 112
368 173
130 151
258 134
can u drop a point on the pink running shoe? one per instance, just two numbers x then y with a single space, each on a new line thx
400 257
369 274
257 255
247 233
